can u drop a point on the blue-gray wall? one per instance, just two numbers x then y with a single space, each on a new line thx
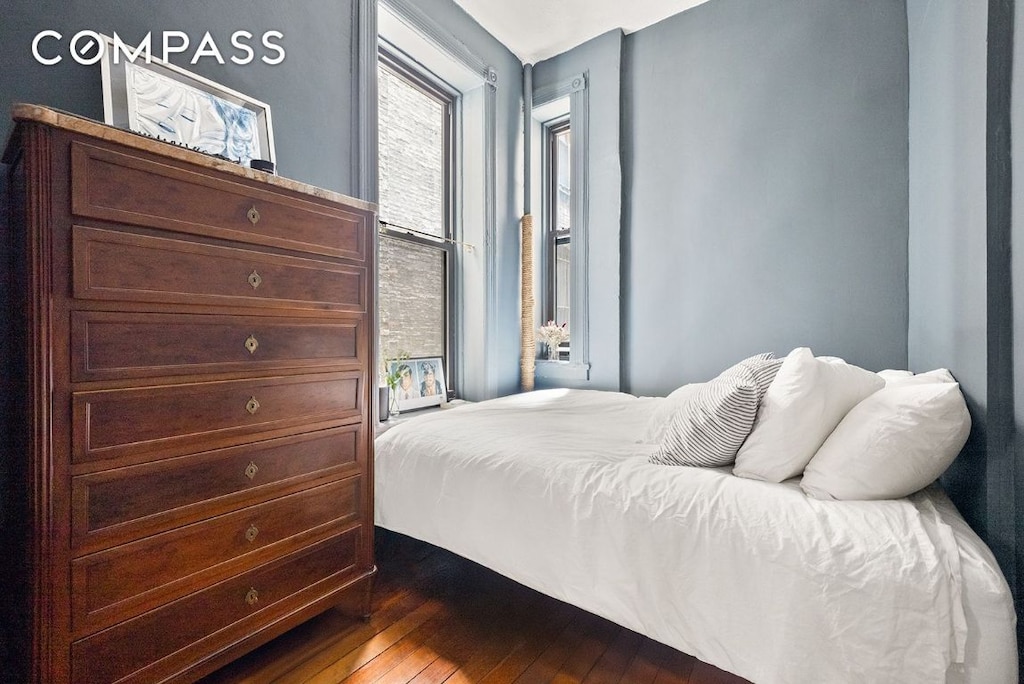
765 162
948 233
763 149
309 93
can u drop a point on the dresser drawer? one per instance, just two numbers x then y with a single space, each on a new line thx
114 265
148 422
141 649
113 345
111 585
113 506
112 186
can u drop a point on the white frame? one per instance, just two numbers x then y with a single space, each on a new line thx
116 99
415 365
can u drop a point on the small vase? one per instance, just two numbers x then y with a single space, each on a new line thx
393 408
552 352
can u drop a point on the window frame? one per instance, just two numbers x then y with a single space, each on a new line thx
570 97
393 59
554 235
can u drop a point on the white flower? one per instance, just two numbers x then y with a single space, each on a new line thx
553 334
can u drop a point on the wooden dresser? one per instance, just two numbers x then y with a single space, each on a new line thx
188 368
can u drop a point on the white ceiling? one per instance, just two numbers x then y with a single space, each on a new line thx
538 29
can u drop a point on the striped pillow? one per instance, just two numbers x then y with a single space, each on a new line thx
764 368
709 429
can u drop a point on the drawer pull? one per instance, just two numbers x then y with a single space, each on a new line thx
251 470
252 344
254 215
252 406
250 534
255 279
252 596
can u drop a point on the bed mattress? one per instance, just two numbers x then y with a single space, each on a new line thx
554 490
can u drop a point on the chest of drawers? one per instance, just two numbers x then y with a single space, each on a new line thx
188 368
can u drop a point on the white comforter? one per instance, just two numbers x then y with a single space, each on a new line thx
552 489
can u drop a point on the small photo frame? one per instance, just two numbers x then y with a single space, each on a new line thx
421 383
161 100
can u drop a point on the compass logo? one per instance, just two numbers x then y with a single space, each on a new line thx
89 47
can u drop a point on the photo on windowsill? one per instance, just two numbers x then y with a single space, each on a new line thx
559 353
421 383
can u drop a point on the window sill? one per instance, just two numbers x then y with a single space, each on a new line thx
562 370
396 419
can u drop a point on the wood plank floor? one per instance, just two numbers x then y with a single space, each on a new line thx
440 618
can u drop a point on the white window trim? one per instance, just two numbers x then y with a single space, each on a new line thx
571 97
411 30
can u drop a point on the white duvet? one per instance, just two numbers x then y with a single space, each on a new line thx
553 489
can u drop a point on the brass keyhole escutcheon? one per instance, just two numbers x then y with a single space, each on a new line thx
252 344
251 470
250 534
254 215
255 279
252 406
252 596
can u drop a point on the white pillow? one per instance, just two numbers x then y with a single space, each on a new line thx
937 375
890 375
663 412
895 442
802 406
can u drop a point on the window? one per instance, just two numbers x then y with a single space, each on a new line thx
559 242
559 222
560 142
415 256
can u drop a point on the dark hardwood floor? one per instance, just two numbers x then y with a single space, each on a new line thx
440 618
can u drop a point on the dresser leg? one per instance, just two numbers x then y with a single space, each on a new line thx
367 597
356 601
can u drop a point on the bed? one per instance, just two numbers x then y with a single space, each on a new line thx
555 490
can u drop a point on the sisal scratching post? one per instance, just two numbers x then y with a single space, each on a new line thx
529 342
527 361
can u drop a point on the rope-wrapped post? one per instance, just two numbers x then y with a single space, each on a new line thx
527 362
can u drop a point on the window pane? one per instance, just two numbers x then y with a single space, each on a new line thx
415 167
564 189
560 189
562 282
411 149
412 298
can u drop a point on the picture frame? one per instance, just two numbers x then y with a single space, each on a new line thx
162 100
424 384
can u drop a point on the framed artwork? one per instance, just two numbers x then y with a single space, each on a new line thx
421 383
164 101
